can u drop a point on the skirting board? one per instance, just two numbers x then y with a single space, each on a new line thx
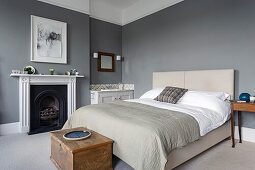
248 134
9 128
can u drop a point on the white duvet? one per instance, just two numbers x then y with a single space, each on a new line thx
207 119
142 138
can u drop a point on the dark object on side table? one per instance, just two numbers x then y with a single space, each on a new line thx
245 97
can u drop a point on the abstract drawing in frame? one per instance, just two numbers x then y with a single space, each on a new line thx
48 40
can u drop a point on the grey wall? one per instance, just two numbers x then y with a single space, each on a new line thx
15 49
105 37
193 35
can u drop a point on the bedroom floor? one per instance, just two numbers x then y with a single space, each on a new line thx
25 152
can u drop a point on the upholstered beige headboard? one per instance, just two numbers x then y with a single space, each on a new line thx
209 80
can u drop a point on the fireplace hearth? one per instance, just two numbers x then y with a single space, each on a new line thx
48 108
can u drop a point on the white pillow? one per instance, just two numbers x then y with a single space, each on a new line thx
221 95
152 94
212 102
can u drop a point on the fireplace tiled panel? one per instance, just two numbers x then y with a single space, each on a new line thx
48 108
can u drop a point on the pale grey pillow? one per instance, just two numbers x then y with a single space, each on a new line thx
171 94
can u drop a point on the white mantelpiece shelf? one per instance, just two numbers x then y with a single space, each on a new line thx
25 80
44 75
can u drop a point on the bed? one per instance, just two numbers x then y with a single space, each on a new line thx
211 80
139 141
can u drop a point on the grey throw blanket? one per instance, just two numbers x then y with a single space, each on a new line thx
143 135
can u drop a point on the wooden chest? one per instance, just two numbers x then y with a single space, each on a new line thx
93 153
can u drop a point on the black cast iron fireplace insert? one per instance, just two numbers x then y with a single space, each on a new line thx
48 108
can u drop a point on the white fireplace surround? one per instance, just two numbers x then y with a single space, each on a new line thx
26 80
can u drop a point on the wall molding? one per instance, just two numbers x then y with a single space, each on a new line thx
105 20
248 134
9 128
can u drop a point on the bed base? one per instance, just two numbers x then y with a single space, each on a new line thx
181 155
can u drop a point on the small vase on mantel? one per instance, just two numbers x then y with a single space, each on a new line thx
52 71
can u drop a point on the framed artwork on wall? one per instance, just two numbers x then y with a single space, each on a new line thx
48 40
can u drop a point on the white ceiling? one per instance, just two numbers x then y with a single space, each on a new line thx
119 12
76 5
121 4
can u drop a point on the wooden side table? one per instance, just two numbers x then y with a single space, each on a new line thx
239 107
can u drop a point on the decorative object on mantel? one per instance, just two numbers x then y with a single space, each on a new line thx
29 69
76 135
52 70
48 40
67 73
245 97
73 71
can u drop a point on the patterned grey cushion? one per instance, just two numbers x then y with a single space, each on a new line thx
171 94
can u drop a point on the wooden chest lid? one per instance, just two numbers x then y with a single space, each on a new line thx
95 140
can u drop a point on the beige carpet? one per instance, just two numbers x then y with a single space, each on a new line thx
224 157
23 152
